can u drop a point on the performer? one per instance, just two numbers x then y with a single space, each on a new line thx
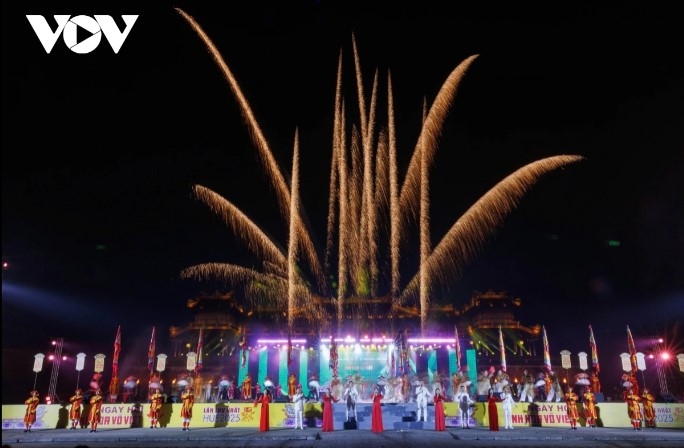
440 417
231 389
381 384
527 393
264 400
314 386
31 408
247 387
595 382
456 380
405 388
188 399
336 386
540 386
647 400
493 411
571 399
224 384
502 380
422 401
291 386
156 400
376 412
556 392
483 385
75 411
95 410
298 400
633 409
328 400
464 401
507 407
351 395
589 400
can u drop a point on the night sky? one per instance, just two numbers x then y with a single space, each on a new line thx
99 152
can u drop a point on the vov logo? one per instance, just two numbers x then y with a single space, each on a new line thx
68 27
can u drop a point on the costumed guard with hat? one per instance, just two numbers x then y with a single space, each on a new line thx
75 411
31 407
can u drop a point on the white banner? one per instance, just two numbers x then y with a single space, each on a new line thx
99 363
583 360
192 361
161 362
626 365
680 359
38 362
641 361
565 359
80 361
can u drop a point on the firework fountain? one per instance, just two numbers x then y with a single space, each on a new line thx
369 207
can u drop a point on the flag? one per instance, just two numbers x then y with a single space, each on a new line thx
114 383
458 349
632 350
199 366
502 349
594 351
547 353
117 351
289 349
150 353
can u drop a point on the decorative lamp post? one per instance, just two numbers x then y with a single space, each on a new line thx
565 362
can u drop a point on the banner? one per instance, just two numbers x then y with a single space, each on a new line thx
583 360
150 352
458 349
594 351
566 363
198 366
502 350
38 362
632 350
547 352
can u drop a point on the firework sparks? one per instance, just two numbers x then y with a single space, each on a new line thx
366 195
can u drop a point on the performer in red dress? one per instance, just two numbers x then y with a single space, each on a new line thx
95 410
647 400
571 400
328 400
188 398
265 399
31 407
440 418
493 411
589 404
376 412
156 400
634 409
75 411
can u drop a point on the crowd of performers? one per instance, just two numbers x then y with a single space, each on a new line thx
491 387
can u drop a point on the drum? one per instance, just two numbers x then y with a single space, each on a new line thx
155 385
540 383
268 383
382 383
314 384
415 383
224 383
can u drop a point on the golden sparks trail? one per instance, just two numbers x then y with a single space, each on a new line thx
369 207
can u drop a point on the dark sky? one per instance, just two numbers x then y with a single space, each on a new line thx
99 152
